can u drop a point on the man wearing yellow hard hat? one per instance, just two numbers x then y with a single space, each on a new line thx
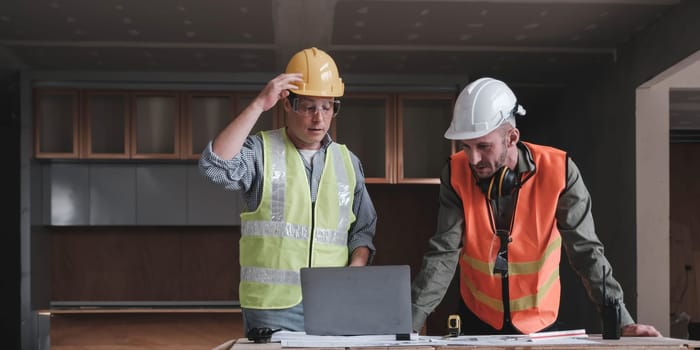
307 205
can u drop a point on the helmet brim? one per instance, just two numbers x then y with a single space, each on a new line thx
451 134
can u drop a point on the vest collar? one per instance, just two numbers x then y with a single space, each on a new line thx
326 141
526 164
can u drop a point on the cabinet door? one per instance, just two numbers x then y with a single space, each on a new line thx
112 194
206 114
56 124
365 124
156 125
67 194
161 194
268 120
423 149
106 119
209 204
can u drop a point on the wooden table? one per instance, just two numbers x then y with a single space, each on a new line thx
624 343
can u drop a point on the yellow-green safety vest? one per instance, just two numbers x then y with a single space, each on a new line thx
286 231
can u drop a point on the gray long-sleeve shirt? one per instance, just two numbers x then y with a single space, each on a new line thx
245 172
574 221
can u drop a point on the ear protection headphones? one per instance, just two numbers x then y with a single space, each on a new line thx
502 183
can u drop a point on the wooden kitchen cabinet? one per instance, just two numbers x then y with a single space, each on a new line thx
161 194
365 124
112 198
119 124
398 137
128 194
56 123
106 124
66 196
155 120
422 147
89 194
210 204
206 114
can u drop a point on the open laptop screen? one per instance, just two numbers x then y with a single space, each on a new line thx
368 300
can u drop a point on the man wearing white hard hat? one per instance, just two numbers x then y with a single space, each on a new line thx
507 207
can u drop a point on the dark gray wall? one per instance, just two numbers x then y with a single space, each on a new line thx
595 122
9 207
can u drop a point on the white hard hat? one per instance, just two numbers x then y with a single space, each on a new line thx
481 107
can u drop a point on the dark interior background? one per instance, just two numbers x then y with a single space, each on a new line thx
583 103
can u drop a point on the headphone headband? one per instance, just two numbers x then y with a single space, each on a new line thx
502 183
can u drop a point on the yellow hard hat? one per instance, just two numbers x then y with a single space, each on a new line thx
319 73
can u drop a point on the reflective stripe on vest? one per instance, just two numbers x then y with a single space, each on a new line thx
276 239
533 254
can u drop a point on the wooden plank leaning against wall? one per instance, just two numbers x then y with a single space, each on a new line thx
685 236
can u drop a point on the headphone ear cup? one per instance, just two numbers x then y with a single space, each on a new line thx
502 183
509 182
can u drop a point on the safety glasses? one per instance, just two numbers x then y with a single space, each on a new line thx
309 108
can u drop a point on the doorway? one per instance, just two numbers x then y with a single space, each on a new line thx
653 191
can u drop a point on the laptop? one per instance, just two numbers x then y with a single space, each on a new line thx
368 300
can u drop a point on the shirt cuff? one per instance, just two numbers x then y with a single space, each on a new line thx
419 317
358 243
625 317
209 157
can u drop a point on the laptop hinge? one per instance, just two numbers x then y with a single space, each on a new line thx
403 336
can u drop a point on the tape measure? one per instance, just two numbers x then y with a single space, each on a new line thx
454 326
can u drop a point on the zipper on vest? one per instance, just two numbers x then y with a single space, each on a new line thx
506 281
506 301
501 259
503 253
311 234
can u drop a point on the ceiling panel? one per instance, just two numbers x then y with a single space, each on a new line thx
533 41
192 21
150 59
576 24
547 65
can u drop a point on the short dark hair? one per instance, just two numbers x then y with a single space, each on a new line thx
291 97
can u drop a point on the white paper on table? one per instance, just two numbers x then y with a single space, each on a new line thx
517 340
572 333
301 339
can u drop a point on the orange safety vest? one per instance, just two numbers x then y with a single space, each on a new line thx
533 253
